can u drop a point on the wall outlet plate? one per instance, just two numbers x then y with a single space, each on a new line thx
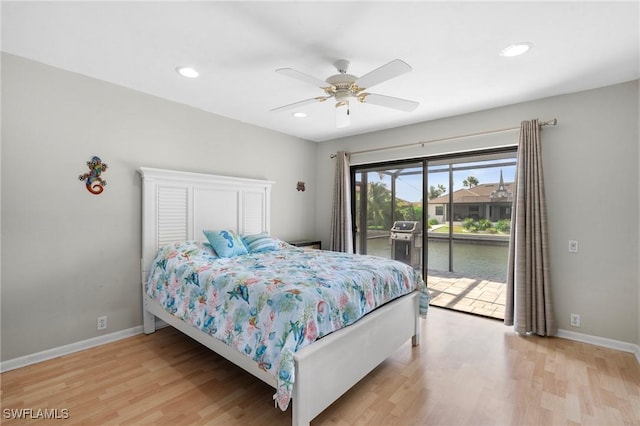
575 320
102 323
573 246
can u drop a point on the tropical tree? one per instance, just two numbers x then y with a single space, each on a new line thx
408 211
470 182
436 192
378 202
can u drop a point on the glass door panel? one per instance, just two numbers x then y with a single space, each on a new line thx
472 198
384 195
481 199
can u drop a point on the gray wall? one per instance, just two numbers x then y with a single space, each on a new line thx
69 256
591 163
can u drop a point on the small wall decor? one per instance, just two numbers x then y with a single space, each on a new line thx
95 184
300 186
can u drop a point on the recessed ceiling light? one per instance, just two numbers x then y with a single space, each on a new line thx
187 72
515 49
299 114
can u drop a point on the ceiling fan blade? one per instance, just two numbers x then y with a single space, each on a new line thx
298 75
386 72
388 101
301 103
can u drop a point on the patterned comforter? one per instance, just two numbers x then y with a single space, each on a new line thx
269 305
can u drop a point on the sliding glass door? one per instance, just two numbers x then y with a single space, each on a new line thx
452 221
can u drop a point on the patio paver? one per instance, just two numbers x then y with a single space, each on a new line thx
476 295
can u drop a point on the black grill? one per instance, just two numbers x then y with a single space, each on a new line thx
406 242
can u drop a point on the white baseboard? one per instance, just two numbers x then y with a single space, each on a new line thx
601 341
48 354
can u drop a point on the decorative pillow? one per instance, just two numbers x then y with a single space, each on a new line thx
226 243
260 242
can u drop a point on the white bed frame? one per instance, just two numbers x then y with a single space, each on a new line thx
177 206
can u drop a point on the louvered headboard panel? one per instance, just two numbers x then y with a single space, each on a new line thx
178 206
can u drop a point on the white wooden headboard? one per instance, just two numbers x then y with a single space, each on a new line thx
178 206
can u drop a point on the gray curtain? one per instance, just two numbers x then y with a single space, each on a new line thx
529 306
341 237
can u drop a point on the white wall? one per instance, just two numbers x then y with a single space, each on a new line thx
591 163
69 256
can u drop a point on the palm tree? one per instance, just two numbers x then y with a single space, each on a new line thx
378 201
436 192
470 182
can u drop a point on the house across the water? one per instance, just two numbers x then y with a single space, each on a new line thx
484 201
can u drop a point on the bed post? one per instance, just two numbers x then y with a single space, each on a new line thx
148 319
297 419
300 410
415 339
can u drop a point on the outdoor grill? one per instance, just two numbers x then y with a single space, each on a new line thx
406 242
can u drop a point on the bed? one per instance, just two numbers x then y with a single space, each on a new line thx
183 278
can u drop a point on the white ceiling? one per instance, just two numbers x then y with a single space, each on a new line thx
453 48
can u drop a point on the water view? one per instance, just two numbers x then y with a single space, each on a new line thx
469 259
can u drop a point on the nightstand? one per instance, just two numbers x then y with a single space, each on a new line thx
307 244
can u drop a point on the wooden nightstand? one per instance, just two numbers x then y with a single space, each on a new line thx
307 244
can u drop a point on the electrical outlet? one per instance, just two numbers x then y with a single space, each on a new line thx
573 246
575 320
102 323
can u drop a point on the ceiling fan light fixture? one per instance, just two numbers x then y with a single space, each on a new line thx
343 115
516 49
343 87
187 72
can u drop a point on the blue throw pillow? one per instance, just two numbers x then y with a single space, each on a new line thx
226 243
257 243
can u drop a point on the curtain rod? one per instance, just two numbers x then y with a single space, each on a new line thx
551 122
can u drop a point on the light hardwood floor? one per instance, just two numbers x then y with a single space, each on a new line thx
467 371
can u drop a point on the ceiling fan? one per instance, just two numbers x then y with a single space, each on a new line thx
345 87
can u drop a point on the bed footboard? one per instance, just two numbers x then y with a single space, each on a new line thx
332 365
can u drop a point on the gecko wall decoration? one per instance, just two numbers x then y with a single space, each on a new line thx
95 184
